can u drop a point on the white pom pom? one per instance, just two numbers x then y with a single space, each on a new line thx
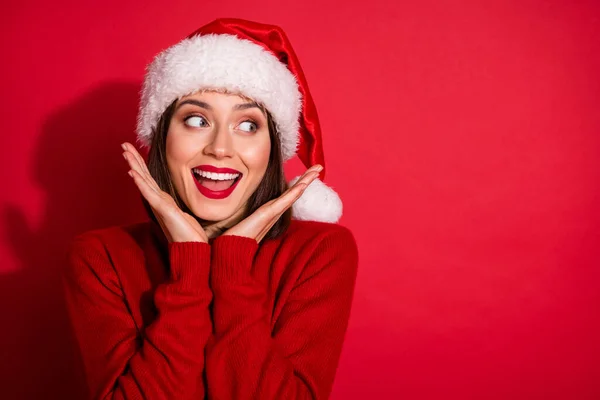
319 202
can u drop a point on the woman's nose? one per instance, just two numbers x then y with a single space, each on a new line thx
221 145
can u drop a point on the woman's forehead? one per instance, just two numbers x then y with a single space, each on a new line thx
216 92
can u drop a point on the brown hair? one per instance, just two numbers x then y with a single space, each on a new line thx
272 185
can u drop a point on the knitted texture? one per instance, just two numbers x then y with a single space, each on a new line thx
232 319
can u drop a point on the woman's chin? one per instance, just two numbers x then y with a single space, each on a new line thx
215 210
213 213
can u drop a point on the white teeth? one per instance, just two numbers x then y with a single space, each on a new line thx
215 176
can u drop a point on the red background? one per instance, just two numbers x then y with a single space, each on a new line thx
463 137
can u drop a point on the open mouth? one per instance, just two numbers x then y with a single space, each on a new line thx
215 183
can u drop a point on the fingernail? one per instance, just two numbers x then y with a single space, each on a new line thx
130 173
319 168
125 156
123 146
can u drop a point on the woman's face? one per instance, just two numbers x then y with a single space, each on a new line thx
217 152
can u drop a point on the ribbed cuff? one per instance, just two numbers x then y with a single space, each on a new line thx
231 258
190 262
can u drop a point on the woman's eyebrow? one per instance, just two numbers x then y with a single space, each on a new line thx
196 103
245 106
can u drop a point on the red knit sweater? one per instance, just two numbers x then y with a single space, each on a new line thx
232 319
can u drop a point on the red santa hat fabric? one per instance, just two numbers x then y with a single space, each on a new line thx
256 60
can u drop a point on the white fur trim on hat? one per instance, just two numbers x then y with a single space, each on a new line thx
221 61
319 202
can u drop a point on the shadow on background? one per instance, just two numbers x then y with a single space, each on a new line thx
79 167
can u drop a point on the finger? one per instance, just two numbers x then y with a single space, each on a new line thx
133 158
154 199
134 166
294 193
307 177
315 168
136 155
309 172
286 201
137 163
272 210
133 162
143 167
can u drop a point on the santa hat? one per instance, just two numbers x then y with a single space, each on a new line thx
257 61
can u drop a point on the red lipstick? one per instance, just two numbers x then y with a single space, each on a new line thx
216 194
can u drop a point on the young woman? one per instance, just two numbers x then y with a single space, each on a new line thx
239 287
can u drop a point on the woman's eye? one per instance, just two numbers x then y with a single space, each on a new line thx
248 126
195 121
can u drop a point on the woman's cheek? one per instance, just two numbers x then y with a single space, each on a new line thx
182 149
255 154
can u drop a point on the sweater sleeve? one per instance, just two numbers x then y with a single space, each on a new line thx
299 358
166 360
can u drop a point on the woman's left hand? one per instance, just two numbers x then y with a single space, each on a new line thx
257 225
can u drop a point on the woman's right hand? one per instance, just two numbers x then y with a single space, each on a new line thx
176 225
